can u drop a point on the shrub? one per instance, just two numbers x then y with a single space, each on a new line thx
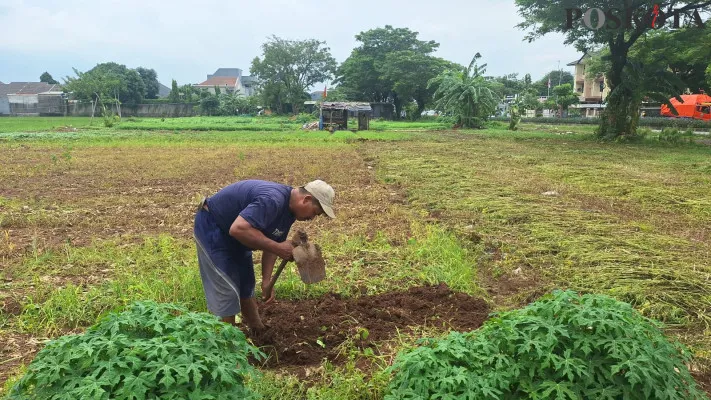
655 122
673 135
304 118
564 346
158 351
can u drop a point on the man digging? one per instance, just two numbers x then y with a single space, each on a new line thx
245 216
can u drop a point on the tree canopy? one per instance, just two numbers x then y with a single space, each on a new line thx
47 78
390 64
106 82
289 67
466 94
150 82
617 36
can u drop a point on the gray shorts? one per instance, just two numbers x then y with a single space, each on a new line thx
227 275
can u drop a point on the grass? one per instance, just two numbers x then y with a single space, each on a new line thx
34 124
627 220
164 269
94 219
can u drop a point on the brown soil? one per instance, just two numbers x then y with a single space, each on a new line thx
304 333
703 379
16 349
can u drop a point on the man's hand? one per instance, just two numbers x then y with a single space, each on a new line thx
285 250
267 297
255 239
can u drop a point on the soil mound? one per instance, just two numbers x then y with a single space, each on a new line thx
302 333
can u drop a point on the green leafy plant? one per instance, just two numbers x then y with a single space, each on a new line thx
110 119
157 351
564 346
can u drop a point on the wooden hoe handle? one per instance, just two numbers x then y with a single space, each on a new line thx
268 291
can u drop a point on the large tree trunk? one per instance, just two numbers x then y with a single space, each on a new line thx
420 107
621 114
398 106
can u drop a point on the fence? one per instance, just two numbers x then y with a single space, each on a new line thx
140 110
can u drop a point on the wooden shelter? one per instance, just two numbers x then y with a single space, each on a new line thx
335 114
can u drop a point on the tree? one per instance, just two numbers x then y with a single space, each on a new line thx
174 95
557 77
47 78
92 86
510 84
150 82
564 97
545 16
368 74
686 53
210 105
108 81
410 72
466 94
273 96
294 66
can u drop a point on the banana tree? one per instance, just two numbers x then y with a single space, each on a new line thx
466 94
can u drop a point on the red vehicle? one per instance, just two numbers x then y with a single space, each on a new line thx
696 106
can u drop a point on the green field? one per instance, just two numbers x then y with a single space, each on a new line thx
95 218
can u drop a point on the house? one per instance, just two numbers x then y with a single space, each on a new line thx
230 81
592 92
32 98
5 89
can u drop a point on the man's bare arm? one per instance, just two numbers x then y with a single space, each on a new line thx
253 238
268 261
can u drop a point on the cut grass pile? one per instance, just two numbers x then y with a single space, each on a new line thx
626 220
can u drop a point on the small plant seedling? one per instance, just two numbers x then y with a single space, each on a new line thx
363 334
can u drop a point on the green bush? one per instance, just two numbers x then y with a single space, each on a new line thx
564 346
654 122
158 351
673 135
304 118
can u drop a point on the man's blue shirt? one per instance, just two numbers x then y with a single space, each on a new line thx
265 205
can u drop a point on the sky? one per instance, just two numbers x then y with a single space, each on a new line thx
186 40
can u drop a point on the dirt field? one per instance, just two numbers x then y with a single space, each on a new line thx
89 225
303 333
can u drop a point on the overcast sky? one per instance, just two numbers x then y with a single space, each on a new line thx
186 40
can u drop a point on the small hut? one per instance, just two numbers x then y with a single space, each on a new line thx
335 115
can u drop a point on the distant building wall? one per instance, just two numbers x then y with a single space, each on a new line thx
35 104
50 104
382 110
4 105
141 110
23 104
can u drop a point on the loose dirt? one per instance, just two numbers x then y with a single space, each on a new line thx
304 333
